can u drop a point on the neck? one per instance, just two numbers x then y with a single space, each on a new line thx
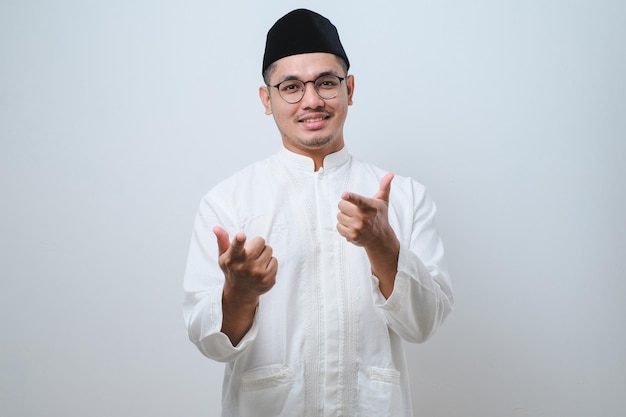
317 155
319 163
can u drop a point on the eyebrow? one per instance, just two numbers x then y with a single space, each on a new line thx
321 74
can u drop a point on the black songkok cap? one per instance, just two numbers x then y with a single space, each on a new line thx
301 32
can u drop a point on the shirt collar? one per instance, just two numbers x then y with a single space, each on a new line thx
303 162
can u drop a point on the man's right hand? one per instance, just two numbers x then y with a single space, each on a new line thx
249 271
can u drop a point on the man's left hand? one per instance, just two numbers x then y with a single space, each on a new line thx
363 221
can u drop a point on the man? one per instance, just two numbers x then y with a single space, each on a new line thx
308 269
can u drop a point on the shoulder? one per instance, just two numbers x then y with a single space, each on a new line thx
230 189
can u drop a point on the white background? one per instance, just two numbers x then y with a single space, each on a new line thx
117 116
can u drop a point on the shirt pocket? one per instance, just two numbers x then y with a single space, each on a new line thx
381 394
265 391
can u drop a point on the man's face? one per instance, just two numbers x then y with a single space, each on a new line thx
313 126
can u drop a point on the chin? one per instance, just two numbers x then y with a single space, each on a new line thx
317 143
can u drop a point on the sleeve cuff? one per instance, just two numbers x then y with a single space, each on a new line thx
400 285
215 344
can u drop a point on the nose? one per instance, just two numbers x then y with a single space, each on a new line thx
310 98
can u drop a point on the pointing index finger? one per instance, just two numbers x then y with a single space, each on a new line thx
238 243
353 198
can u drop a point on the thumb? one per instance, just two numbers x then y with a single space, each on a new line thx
385 187
223 241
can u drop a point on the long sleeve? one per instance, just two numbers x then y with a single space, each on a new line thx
422 295
204 282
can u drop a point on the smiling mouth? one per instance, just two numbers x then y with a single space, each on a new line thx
315 116
317 119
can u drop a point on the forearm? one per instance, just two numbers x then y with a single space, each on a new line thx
237 315
384 263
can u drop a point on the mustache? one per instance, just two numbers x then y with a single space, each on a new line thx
315 112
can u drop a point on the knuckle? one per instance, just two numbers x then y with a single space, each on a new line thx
228 263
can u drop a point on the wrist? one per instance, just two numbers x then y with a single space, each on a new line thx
384 262
239 300
386 250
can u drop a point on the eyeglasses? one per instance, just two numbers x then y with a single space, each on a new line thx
292 91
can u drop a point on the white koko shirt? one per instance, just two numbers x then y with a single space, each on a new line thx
325 342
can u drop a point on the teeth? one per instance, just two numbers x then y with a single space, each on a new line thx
313 120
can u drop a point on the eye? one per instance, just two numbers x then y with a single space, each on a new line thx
328 82
290 87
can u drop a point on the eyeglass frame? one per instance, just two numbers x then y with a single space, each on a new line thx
304 83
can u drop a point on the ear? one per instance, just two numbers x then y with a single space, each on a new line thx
264 95
350 85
